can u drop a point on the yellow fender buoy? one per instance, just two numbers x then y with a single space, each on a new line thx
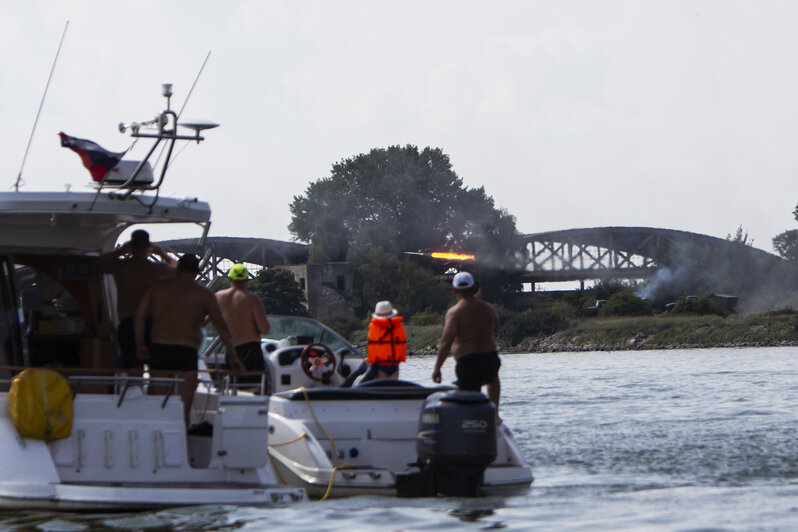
40 403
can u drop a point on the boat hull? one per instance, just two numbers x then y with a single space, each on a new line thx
317 485
349 442
65 497
131 452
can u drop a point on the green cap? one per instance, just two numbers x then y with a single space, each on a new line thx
238 273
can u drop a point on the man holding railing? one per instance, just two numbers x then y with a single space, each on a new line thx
179 307
245 317
133 273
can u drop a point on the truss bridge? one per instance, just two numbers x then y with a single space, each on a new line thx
608 252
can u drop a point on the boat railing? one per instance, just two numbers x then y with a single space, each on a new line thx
121 384
226 382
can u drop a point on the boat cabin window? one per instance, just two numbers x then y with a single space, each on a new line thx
10 329
62 303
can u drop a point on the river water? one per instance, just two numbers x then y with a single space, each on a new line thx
645 440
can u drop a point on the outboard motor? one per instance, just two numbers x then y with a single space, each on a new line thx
456 443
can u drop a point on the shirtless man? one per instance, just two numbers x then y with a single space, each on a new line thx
179 307
133 276
243 311
468 335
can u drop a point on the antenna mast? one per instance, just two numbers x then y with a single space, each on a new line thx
19 181
185 102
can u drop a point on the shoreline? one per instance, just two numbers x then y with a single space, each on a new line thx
644 334
560 348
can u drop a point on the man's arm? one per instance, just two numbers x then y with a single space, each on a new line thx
215 315
259 314
444 346
142 353
155 249
107 261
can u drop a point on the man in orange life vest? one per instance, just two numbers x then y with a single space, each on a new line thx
387 341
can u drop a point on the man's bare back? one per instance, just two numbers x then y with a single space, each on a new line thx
178 307
469 326
468 336
133 278
135 274
244 314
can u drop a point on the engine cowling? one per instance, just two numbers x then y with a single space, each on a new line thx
456 441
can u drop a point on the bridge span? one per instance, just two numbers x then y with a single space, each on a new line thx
221 252
606 252
565 255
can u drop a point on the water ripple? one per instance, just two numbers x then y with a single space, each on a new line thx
654 440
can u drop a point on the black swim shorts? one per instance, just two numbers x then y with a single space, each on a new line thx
126 338
173 357
251 355
476 369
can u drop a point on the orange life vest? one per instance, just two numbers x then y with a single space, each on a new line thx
387 341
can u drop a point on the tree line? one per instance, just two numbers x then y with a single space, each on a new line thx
376 208
384 210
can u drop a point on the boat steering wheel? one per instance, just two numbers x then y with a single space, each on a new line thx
317 362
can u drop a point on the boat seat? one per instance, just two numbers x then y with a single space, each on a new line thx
289 356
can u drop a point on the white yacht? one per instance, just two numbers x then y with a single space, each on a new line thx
336 433
122 448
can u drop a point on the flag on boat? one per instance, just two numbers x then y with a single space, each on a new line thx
97 160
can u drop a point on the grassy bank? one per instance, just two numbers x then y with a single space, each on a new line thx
653 332
666 332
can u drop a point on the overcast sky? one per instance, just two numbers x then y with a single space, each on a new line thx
672 114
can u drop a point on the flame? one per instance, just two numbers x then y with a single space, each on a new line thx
451 256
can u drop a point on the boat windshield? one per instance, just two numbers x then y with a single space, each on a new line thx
295 330
285 331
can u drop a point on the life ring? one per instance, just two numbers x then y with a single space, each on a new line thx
317 362
40 404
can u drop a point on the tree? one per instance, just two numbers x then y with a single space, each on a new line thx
410 287
740 237
402 199
625 303
698 306
317 255
280 292
515 326
786 244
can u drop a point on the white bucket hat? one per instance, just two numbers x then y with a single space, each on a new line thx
384 309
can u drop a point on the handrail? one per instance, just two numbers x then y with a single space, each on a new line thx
116 380
229 384
120 379
74 369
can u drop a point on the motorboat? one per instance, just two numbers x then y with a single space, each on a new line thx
337 432
124 447
299 351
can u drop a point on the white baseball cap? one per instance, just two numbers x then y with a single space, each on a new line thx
463 281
